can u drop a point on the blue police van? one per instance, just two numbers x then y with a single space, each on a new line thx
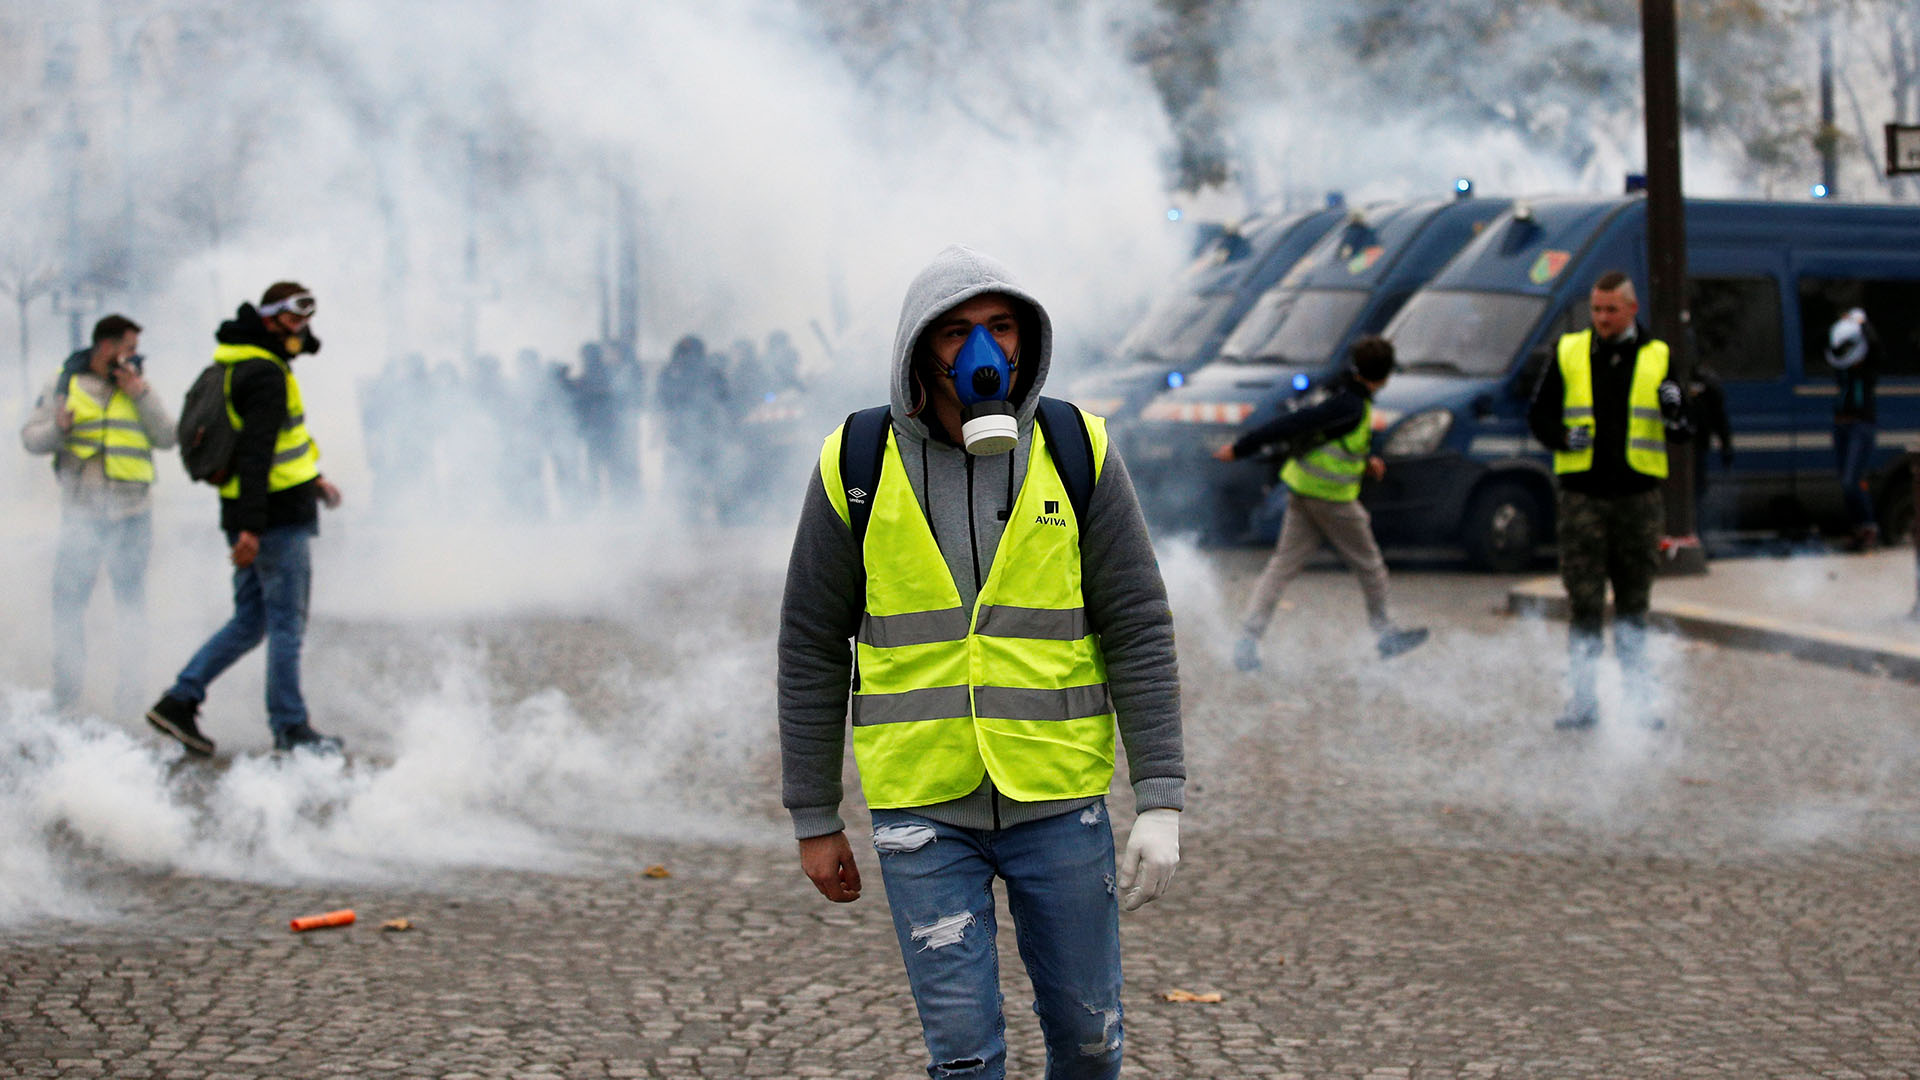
1185 328
1765 281
1351 283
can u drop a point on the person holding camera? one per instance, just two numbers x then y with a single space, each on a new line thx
101 421
1328 455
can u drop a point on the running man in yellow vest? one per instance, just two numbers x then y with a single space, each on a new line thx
1606 409
102 422
269 511
998 637
1323 475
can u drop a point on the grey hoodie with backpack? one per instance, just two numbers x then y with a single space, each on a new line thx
966 500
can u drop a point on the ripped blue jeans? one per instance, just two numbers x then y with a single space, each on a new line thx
1059 874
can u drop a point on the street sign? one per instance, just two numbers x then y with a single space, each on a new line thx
1903 149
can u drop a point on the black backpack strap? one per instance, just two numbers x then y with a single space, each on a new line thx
862 443
1065 430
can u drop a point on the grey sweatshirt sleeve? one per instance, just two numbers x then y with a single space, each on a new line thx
157 420
819 615
1127 605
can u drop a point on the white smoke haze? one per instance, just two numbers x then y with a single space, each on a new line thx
1430 746
507 679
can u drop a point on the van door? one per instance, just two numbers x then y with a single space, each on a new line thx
1735 298
1887 287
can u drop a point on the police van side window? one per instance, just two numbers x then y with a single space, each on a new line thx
1893 310
1736 327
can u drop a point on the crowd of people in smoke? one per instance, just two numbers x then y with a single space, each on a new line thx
550 438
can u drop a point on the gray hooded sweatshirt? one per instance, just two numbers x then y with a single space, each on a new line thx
966 500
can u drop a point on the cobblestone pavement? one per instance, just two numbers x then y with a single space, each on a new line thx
1389 871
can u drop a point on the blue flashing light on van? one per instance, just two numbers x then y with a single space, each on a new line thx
1293 336
1765 282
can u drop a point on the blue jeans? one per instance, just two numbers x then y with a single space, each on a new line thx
86 543
1852 449
269 601
1060 887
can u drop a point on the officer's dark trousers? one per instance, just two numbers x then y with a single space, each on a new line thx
1609 541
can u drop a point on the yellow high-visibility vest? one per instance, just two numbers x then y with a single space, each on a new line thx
1646 431
296 457
1333 469
1015 688
112 429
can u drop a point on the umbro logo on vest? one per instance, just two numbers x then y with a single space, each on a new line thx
856 495
1050 514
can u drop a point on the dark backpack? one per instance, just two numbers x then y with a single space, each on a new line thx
207 434
865 442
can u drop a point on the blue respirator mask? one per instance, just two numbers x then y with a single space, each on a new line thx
983 378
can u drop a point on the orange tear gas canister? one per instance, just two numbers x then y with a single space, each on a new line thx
343 917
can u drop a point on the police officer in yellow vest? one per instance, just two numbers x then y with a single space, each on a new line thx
1607 409
1333 438
101 421
269 511
990 642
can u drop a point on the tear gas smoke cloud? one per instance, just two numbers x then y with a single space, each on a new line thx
361 147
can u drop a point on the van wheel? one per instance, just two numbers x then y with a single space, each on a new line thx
1503 528
1895 511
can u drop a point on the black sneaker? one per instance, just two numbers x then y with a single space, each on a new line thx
287 740
1395 641
177 719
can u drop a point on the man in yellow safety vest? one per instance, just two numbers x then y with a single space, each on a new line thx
101 421
982 549
269 509
1606 408
1332 452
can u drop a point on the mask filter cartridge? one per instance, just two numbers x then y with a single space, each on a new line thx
983 379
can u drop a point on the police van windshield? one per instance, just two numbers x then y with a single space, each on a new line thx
1259 323
1306 332
1474 334
1177 326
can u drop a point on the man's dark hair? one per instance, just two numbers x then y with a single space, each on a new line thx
1612 280
113 328
280 290
1372 357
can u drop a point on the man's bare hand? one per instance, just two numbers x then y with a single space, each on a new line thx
64 417
1376 468
244 549
828 863
131 382
328 493
1224 453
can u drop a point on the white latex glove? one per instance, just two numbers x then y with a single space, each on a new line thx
1153 850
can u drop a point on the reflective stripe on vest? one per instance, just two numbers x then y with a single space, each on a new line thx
1016 689
296 458
1333 469
113 430
1646 429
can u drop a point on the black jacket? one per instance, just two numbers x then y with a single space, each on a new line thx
259 392
1610 476
1331 419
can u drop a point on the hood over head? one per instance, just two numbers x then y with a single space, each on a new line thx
956 275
